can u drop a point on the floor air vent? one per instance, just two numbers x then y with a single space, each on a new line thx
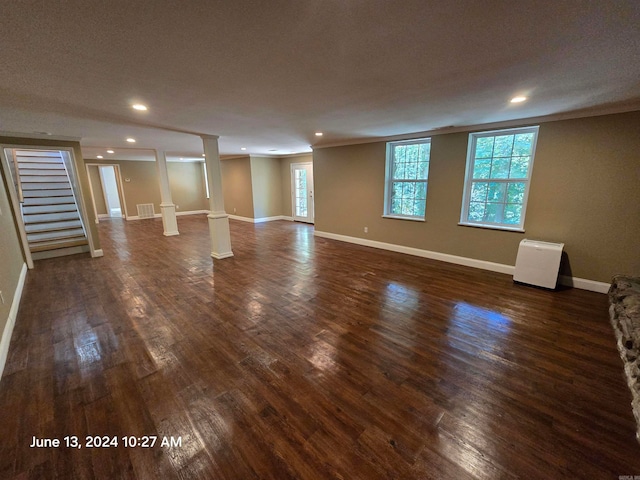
145 210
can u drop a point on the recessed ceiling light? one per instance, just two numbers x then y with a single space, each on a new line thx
203 154
99 156
518 99
139 106
318 134
110 151
243 148
131 140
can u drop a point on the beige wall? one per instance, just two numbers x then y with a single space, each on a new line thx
237 186
285 173
585 192
11 258
186 181
266 187
96 188
142 187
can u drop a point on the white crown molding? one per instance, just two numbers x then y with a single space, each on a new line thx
518 122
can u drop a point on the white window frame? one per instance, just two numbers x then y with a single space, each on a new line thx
469 181
388 185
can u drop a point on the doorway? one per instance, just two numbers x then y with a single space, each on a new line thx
302 192
110 189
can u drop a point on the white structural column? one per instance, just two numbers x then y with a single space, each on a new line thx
218 218
168 209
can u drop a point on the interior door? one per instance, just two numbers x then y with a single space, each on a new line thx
302 192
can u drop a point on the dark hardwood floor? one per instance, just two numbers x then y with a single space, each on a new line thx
306 358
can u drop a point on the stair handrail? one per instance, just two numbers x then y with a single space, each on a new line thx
17 180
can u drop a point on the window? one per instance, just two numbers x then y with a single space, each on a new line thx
406 179
496 187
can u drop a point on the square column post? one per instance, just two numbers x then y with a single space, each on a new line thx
168 209
218 218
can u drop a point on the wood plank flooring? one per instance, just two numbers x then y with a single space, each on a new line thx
306 358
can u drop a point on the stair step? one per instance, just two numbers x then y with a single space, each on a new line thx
29 166
65 192
23 161
54 235
55 244
44 201
38 153
30 219
45 186
43 179
57 208
53 226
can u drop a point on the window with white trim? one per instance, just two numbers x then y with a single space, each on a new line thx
406 178
499 165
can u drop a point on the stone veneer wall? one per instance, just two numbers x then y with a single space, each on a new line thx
624 312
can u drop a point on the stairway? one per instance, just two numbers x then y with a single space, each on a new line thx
49 209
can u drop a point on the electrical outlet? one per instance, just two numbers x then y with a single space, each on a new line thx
177 207
366 229
234 209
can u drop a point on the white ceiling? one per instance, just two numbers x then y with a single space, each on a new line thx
267 75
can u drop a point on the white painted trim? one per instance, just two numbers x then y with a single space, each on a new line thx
584 284
11 320
220 256
192 212
268 219
260 220
171 234
242 219
581 283
97 253
136 217
103 215
520 122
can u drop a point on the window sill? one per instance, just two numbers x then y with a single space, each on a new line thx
492 227
398 217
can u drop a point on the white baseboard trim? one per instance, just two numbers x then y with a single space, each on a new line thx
97 253
103 215
259 220
269 219
11 320
192 212
242 219
136 217
584 284
576 282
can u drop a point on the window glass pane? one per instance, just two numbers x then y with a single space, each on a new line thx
476 211
479 191
500 168
421 191
398 171
515 192
496 192
396 206
482 168
418 207
411 171
408 190
399 153
484 147
493 212
512 213
503 146
423 170
397 190
519 167
523 144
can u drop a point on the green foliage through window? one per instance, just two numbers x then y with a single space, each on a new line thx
407 177
499 169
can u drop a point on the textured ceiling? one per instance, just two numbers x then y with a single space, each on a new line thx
267 75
